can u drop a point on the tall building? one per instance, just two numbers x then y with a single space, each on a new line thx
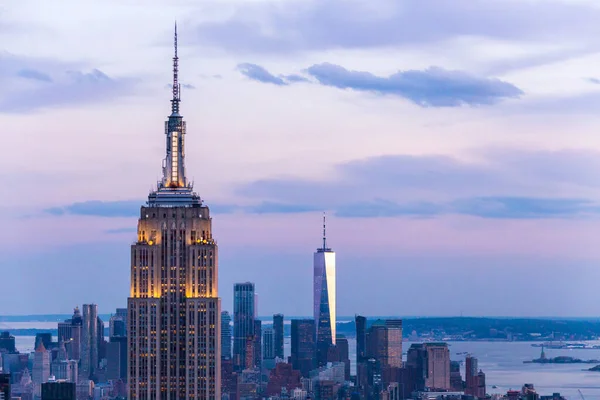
361 338
278 335
257 343
7 342
438 366
384 343
4 386
117 325
303 346
470 375
69 332
41 368
59 391
89 340
100 339
63 368
225 334
243 321
174 312
324 299
268 343
116 358
343 351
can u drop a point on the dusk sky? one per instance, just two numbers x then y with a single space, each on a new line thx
455 146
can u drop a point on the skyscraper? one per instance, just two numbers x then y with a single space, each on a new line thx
7 342
361 338
69 332
438 366
243 322
384 342
278 335
324 299
470 375
41 368
174 316
303 345
89 340
257 343
225 335
268 344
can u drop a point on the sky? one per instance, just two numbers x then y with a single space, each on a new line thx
453 145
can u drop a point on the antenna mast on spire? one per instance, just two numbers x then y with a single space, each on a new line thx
176 85
324 235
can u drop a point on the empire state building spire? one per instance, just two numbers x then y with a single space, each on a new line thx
174 188
176 86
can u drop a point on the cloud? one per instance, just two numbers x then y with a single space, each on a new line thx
593 80
295 78
33 74
432 87
321 25
128 208
435 87
514 184
258 73
51 83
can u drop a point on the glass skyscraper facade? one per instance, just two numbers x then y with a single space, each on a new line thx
324 306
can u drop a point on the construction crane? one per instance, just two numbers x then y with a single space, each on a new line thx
581 394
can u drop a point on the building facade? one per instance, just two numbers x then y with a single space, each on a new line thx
243 322
278 335
41 368
268 343
225 335
438 366
173 324
89 340
59 391
303 346
4 386
324 306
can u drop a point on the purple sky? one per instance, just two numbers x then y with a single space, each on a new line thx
455 149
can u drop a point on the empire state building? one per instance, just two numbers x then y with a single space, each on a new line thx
174 337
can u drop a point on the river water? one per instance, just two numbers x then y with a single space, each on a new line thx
503 365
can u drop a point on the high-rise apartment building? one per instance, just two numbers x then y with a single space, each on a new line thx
243 322
324 299
173 322
278 335
89 340
303 346
225 335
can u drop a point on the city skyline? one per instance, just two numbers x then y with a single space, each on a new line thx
493 179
